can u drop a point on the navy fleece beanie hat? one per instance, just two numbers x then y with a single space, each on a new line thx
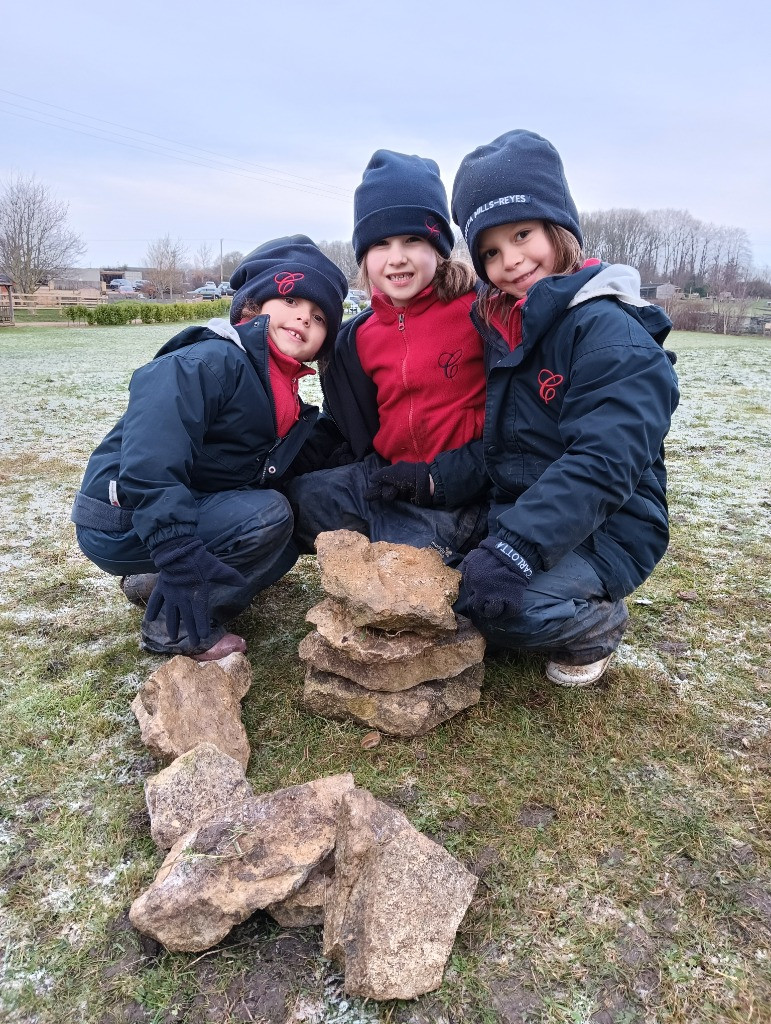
519 176
292 265
401 195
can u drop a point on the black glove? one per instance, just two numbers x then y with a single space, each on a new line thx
341 456
186 572
402 481
495 577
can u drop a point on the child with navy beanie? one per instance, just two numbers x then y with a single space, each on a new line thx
179 499
580 396
404 387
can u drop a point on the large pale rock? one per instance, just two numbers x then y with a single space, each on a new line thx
257 854
306 907
405 713
202 782
447 656
392 586
396 904
333 619
186 702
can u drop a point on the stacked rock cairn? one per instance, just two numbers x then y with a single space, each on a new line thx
388 651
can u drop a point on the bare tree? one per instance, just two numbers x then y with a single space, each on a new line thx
759 284
727 278
35 241
341 253
203 264
165 261
229 263
460 249
620 236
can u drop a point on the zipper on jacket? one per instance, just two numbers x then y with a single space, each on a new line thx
266 465
401 321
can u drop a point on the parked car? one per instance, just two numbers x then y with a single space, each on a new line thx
225 289
352 303
121 284
146 288
123 287
206 291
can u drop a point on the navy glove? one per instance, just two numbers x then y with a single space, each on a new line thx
496 577
341 456
402 481
186 572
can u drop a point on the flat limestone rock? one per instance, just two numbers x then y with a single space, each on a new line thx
333 619
202 782
256 854
405 713
392 586
396 903
306 907
447 656
186 702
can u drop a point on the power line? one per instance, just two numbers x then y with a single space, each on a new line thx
139 131
299 184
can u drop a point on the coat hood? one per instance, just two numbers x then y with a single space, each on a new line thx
551 298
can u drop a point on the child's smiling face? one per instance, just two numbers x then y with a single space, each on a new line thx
515 256
401 266
297 326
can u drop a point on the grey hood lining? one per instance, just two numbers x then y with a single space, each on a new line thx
616 281
224 328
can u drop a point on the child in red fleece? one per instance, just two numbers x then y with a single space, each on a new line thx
404 388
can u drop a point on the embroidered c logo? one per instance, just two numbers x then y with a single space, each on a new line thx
448 361
549 383
286 281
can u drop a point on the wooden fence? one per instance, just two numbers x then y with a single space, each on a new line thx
44 299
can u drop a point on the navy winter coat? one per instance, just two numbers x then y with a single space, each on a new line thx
575 422
201 417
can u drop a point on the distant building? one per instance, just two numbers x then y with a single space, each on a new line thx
82 278
665 290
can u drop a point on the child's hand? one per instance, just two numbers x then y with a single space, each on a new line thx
402 481
341 456
186 572
495 577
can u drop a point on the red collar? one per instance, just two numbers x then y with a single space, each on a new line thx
387 312
288 366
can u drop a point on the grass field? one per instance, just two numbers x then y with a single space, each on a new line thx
622 834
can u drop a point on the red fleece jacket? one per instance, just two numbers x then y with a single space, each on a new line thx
426 360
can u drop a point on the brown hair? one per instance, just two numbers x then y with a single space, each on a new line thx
568 257
452 279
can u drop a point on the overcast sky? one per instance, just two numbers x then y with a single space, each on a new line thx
245 120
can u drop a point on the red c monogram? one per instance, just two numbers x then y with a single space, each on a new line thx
286 281
549 383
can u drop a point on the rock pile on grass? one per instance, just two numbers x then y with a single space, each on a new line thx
388 650
321 853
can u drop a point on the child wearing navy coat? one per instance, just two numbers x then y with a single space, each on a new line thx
180 497
580 395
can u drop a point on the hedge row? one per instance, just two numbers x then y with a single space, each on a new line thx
120 313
